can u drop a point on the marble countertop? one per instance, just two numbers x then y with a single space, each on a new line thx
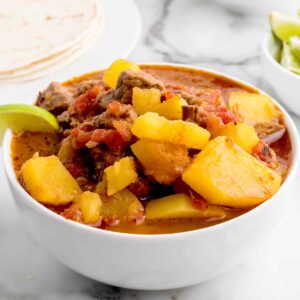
200 33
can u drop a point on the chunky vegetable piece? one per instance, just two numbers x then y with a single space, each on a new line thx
144 100
123 206
224 174
48 181
253 108
180 206
153 126
161 160
90 204
120 175
118 66
171 108
242 134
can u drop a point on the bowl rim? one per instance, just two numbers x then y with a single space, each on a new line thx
265 50
42 210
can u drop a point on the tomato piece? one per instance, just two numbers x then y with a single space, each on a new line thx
199 203
225 114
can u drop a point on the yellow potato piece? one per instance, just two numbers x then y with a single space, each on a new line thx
48 181
153 126
122 205
171 108
242 134
253 108
144 100
225 174
179 206
120 175
90 205
164 161
111 75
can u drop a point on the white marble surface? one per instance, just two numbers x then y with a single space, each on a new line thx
190 32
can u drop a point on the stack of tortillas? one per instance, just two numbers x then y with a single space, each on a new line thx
39 37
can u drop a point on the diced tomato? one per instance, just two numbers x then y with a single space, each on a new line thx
114 141
73 213
123 127
87 103
200 203
80 138
99 135
115 108
263 152
169 94
94 92
110 137
225 114
211 96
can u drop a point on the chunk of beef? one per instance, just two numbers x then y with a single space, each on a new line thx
55 98
126 82
270 132
116 115
86 85
195 114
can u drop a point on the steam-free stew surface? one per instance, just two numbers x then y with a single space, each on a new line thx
25 145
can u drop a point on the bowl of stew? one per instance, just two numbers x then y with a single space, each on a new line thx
161 176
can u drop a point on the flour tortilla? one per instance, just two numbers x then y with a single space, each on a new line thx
60 62
68 56
34 30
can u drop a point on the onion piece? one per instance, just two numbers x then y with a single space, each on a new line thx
274 136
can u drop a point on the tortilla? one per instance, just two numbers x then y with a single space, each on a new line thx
33 31
60 61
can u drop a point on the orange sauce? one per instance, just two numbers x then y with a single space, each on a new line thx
25 145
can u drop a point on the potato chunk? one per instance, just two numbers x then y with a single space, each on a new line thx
90 204
242 134
225 174
144 100
163 161
171 108
48 181
124 206
120 175
180 206
111 75
153 126
253 108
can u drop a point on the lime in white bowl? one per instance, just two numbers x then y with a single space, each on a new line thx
283 79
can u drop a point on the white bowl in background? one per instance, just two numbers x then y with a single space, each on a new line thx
260 6
152 262
284 82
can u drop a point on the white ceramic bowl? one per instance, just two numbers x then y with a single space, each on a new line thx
152 262
285 83
260 6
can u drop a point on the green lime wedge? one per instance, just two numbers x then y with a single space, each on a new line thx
284 26
294 43
22 117
288 59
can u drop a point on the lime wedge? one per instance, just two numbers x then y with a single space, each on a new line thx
288 59
284 26
294 43
22 117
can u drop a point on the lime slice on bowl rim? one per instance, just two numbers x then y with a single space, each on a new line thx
284 26
24 117
289 60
